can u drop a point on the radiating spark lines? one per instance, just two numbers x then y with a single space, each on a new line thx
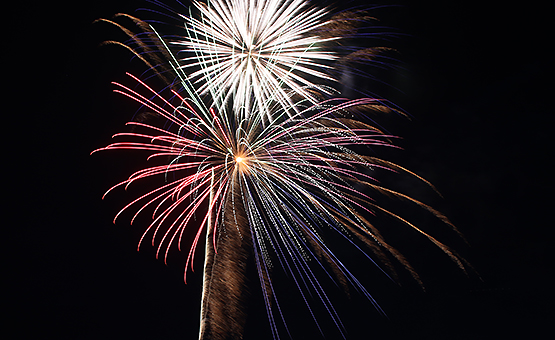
287 181
256 53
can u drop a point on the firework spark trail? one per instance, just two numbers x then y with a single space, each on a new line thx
223 292
254 52
260 53
279 184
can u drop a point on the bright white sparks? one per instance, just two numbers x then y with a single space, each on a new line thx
256 52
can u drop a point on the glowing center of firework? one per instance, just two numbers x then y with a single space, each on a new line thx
242 162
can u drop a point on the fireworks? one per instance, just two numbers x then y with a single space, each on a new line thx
275 187
267 166
254 52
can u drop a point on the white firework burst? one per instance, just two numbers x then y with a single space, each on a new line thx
258 52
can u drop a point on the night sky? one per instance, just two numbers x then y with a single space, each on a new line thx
474 79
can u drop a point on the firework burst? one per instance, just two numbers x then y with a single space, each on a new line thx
259 54
256 52
269 190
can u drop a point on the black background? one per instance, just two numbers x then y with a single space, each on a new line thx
475 80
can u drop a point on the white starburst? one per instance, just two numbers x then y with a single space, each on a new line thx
258 52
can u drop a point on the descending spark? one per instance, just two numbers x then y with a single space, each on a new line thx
269 190
256 52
